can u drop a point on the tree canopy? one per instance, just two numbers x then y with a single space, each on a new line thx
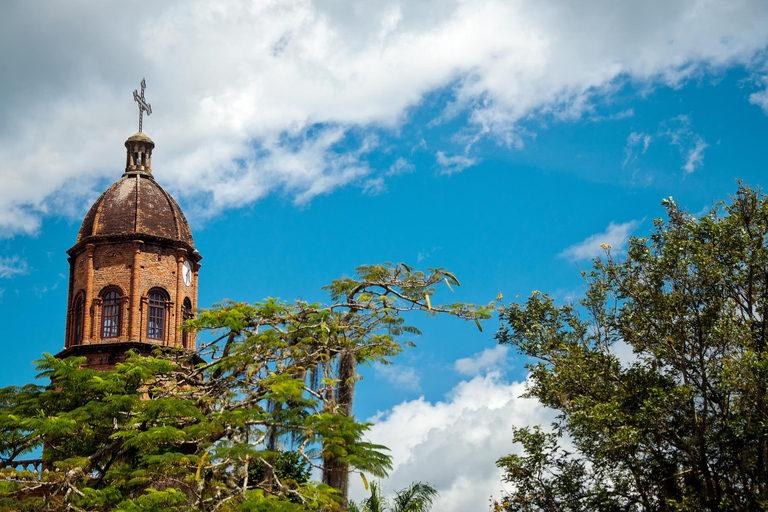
159 433
682 423
417 497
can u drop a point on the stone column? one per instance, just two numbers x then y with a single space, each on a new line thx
134 325
193 335
88 306
68 334
125 316
180 253
97 310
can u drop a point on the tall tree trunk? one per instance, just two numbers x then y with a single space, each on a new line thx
336 473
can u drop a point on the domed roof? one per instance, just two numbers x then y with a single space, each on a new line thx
139 137
136 205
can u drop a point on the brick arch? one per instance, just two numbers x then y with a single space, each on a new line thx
160 290
109 287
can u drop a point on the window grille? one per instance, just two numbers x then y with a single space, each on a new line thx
110 314
77 327
156 323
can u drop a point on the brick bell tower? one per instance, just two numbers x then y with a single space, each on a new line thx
133 269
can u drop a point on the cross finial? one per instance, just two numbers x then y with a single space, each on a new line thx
143 105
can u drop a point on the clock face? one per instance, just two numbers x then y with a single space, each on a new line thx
186 273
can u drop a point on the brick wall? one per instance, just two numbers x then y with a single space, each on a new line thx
111 264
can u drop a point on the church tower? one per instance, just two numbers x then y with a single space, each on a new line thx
133 269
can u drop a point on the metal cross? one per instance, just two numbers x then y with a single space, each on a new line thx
143 105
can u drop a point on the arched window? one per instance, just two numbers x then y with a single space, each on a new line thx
78 310
156 321
186 314
110 313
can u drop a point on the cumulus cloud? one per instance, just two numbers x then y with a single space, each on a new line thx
257 98
490 358
454 444
615 235
11 266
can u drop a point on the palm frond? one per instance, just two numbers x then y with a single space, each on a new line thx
416 498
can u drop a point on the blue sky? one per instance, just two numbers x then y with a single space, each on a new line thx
503 141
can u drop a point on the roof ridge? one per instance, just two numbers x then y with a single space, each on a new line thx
96 214
174 207
136 211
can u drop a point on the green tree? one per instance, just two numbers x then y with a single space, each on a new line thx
684 425
192 446
286 466
417 497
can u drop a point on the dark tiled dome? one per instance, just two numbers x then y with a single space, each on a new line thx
136 205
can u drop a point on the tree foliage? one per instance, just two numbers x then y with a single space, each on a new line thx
683 424
192 446
417 497
288 466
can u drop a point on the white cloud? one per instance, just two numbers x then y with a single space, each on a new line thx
569 295
426 254
253 98
11 266
678 132
454 444
624 114
451 164
374 186
615 235
489 359
402 377
691 144
39 292
760 98
304 165
636 141
401 166
695 155
624 352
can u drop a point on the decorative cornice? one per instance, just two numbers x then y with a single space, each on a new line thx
79 247
141 347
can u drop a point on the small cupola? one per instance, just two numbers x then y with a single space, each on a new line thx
139 158
139 146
